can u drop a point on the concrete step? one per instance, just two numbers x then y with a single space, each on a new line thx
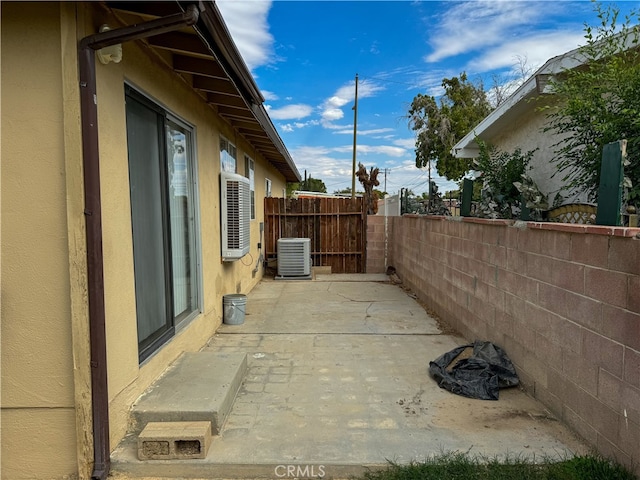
199 386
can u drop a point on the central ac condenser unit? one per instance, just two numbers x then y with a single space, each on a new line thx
294 258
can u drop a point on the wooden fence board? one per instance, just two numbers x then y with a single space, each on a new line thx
336 227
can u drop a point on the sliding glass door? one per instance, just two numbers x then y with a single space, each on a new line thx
163 217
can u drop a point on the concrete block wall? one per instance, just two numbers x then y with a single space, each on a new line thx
563 300
376 240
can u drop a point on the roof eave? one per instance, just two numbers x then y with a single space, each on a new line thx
226 50
467 147
263 117
208 60
235 65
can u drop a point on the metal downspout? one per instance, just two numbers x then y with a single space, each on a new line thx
93 216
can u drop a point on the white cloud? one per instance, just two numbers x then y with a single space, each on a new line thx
387 150
406 175
290 127
374 131
471 26
427 81
269 96
333 166
431 82
330 114
381 149
331 109
535 49
406 143
247 23
322 163
289 112
310 152
368 88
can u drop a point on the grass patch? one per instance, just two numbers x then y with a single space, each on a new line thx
451 466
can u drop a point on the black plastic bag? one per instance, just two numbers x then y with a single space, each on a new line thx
479 376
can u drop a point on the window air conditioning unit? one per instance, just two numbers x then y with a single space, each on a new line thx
235 213
294 258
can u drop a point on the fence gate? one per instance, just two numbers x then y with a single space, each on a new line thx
336 226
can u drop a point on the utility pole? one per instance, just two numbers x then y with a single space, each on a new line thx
385 180
355 122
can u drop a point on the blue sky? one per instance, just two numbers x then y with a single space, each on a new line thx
304 56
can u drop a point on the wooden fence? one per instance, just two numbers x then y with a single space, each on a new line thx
336 226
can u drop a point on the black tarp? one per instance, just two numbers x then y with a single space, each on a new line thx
480 376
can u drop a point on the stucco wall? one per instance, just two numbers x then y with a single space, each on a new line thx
526 133
561 299
150 75
46 409
38 413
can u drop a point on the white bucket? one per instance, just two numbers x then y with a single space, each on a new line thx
234 307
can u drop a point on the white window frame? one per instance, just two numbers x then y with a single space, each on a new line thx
228 156
250 173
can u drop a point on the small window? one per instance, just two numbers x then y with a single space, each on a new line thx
249 172
267 187
227 156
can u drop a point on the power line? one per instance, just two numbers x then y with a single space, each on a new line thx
385 79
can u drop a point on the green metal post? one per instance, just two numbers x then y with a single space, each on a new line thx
467 196
610 189
525 212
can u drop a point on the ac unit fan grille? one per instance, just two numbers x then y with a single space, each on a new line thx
233 215
294 257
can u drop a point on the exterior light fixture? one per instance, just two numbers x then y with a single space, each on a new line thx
109 54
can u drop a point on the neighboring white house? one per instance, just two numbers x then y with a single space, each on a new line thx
518 123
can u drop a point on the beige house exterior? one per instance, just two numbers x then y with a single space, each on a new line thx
81 340
519 121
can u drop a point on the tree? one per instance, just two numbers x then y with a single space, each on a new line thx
503 85
500 197
440 125
380 193
368 181
344 191
599 103
308 185
315 185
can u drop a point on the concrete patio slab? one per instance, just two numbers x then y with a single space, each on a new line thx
338 382
340 307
